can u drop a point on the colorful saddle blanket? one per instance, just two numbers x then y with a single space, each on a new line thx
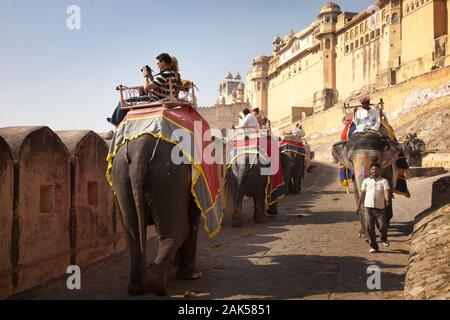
263 148
161 123
293 147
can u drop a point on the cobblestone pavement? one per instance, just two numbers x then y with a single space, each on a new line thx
311 250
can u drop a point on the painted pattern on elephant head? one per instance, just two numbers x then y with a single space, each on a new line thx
361 165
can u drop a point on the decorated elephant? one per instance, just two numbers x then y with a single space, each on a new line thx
156 182
414 150
254 171
146 196
244 178
359 152
293 165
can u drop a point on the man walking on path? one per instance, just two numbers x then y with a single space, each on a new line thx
376 196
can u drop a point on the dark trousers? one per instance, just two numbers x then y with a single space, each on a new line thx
374 215
119 114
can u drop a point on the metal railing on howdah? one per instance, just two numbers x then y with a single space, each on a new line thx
179 95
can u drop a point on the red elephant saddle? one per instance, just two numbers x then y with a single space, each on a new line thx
168 124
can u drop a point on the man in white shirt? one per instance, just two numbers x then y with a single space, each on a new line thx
298 131
250 124
376 196
366 118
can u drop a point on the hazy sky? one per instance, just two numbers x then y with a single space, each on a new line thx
65 79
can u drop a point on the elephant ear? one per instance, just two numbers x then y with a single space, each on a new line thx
390 153
340 152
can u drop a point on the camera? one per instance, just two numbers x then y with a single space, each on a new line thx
147 68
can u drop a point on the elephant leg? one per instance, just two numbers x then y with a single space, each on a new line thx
260 205
237 221
125 201
362 220
273 209
187 269
296 179
291 182
172 224
286 177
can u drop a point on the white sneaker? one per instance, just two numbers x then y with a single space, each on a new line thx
386 243
373 250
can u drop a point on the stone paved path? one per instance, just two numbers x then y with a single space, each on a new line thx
310 251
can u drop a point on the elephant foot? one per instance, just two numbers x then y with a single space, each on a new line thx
136 289
156 285
188 273
260 218
237 222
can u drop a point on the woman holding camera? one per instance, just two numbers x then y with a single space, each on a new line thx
155 88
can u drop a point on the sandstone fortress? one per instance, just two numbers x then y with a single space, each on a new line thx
342 55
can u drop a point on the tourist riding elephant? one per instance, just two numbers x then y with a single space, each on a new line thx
414 150
293 165
359 152
151 190
244 178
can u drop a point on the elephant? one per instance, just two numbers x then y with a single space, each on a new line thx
244 178
358 153
143 177
414 150
293 166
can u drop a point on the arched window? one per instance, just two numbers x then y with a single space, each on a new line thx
351 46
346 49
327 44
361 41
258 86
387 19
412 6
377 33
395 18
372 35
407 8
367 38
356 44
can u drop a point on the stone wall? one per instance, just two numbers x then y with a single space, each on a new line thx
6 217
56 208
428 274
91 198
